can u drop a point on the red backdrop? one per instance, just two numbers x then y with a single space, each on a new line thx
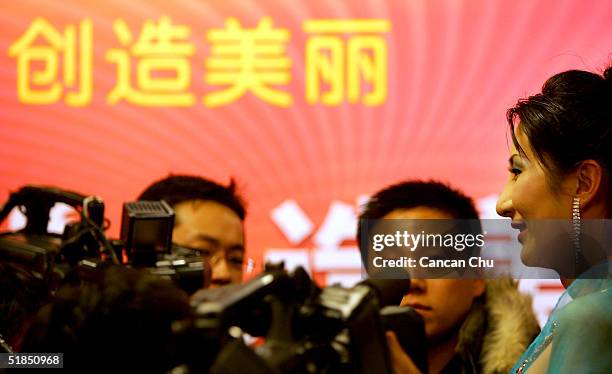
453 69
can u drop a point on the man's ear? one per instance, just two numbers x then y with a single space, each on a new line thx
589 176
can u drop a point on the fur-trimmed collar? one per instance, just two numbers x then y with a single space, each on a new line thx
497 331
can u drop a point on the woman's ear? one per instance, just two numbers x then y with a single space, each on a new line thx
589 175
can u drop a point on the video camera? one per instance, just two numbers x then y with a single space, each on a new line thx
82 248
302 328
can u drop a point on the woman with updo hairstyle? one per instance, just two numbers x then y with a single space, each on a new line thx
559 195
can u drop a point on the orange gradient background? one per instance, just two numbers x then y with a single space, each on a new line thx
454 68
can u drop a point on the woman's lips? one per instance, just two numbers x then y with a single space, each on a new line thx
522 235
522 227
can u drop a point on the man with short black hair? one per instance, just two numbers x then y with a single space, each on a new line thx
472 325
209 218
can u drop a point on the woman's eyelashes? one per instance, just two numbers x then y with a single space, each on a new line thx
515 171
516 166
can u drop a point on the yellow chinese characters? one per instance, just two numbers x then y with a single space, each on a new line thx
346 60
248 60
163 68
342 64
38 65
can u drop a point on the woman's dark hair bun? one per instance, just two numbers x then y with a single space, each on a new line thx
568 122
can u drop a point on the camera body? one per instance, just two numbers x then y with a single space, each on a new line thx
301 328
146 239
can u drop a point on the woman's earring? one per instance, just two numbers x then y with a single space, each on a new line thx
577 225
580 262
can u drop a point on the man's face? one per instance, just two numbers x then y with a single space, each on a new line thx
443 303
216 231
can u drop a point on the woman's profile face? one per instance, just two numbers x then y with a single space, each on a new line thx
530 201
